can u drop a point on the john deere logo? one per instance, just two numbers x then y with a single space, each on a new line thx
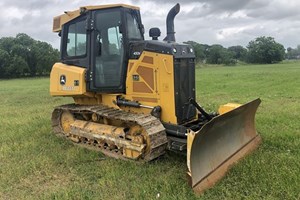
62 80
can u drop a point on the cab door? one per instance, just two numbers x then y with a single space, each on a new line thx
107 71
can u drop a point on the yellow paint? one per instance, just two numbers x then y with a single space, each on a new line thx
228 107
66 120
110 135
190 138
110 100
166 87
132 154
102 129
163 89
70 15
79 93
87 100
72 74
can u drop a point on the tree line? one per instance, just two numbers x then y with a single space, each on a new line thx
263 50
23 56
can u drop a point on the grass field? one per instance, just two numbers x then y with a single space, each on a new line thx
35 164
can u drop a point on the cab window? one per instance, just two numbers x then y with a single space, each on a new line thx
77 39
133 27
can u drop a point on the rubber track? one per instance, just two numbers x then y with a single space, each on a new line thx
153 127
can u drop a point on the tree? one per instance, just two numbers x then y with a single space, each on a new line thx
200 50
46 57
23 56
265 50
4 63
6 43
217 54
239 52
293 53
17 67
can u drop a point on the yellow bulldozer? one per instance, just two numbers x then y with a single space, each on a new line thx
135 98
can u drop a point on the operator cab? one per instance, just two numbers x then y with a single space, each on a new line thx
98 40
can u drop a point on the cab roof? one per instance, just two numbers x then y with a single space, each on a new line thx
60 20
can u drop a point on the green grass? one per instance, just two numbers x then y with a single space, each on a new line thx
35 164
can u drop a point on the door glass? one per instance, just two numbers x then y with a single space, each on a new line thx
109 49
114 41
76 44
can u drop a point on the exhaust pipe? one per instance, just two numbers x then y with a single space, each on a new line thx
170 23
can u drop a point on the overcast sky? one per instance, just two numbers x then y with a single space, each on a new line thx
225 22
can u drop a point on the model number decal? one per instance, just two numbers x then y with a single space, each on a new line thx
68 88
136 53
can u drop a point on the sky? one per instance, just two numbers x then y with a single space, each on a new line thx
229 23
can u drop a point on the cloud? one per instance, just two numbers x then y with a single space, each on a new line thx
231 22
277 10
31 4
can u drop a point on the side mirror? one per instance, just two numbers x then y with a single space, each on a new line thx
154 33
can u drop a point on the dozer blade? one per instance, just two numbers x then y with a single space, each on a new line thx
220 143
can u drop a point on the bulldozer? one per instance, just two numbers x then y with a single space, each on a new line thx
135 98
